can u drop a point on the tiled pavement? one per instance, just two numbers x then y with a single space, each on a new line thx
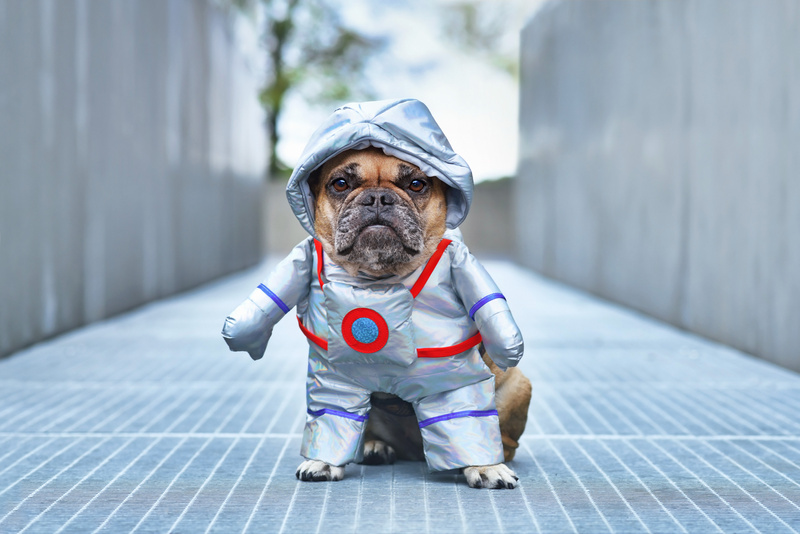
146 422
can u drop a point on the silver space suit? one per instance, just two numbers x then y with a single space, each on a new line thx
416 336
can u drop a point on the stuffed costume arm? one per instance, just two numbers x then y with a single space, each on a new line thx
487 307
249 327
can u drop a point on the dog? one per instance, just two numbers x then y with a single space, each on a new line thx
401 319
381 216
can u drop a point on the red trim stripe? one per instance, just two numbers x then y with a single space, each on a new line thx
429 267
321 343
437 352
318 247
444 352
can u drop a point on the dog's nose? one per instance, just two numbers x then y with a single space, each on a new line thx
372 198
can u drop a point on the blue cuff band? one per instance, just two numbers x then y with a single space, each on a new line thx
346 415
478 305
456 415
274 297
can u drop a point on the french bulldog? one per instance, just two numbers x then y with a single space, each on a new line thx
378 215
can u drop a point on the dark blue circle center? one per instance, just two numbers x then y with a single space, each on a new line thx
364 330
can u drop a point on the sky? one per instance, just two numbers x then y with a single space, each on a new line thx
474 102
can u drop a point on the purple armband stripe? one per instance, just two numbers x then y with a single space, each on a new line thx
478 305
456 415
274 297
346 415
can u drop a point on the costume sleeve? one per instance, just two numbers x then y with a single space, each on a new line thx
249 327
487 307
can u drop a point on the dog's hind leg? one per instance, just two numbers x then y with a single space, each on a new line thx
377 452
512 397
391 432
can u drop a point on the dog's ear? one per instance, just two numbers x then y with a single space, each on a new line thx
314 181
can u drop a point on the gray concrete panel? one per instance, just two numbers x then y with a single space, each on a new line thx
659 162
489 228
131 158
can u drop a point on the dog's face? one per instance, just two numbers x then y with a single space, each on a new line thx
376 213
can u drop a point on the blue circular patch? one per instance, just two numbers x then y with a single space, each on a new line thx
364 330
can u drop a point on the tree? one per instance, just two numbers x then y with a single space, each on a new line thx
482 29
312 52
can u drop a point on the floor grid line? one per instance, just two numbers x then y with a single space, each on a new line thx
613 486
74 486
709 488
672 482
583 487
141 483
164 493
108 484
729 479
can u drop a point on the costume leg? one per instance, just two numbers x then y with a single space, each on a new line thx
337 413
460 427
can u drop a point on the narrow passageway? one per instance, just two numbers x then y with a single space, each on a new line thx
147 422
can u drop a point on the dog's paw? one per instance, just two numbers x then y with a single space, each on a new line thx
497 476
318 471
378 453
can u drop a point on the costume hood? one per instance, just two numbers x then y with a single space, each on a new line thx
404 129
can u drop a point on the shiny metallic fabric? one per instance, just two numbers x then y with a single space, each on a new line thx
372 334
401 128
454 395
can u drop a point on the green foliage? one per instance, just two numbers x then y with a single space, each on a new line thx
480 28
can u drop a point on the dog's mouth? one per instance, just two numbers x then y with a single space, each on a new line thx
378 234
378 226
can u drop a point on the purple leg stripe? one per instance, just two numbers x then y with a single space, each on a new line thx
346 415
455 415
488 298
274 297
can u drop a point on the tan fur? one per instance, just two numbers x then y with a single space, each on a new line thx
392 430
512 395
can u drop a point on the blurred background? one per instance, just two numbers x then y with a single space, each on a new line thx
643 151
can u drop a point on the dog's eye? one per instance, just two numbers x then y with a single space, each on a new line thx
416 185
339 185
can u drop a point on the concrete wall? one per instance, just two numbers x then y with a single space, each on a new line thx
660 157
283 230
130 158
488 230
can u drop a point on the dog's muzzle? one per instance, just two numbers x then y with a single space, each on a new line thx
378 224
